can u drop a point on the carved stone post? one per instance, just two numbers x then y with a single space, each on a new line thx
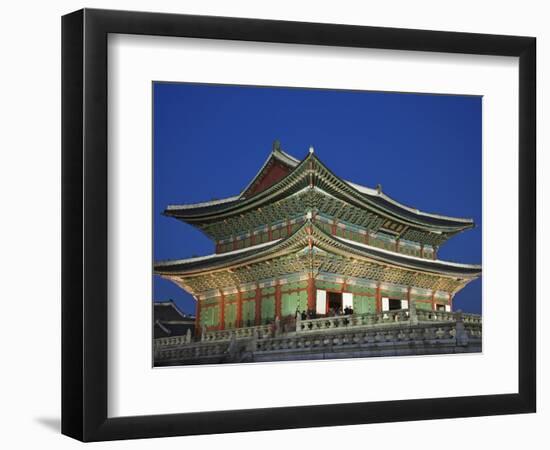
413 318
254 343
232 349
461 335
188 336
277 326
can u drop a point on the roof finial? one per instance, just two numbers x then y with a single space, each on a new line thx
311 149
379 188
276 145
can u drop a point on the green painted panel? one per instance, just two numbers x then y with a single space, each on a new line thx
268 309
425 297
268 290
249 313
409 251
320 284
302 300
211 301
358 237
293 301
289 303
325 227
210 316
249 294
393 294
231 298
423 306
292 286
230 316
361 290
364 305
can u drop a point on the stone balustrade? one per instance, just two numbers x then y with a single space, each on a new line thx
192 351
327 324
170 341
261 331
432 332
445 316
355 320
396 336
393 327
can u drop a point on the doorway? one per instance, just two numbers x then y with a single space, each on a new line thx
394 304
334 301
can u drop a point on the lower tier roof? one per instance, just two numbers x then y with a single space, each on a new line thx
311 247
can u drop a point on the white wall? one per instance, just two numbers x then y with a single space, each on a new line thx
30 224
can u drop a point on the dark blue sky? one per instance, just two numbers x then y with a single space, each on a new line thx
210 140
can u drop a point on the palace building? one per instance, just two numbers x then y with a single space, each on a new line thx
300 244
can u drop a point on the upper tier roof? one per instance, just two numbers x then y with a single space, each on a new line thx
282 175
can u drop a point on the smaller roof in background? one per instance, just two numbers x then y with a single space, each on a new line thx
167 311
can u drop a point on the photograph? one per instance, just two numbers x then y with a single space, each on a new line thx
295 224
269 225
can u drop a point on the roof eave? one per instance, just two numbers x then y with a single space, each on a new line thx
414 263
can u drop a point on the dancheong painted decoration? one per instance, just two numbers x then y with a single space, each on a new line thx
308 265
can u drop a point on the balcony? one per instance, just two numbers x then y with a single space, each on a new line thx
398 332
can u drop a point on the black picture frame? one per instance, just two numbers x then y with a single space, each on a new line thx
84 224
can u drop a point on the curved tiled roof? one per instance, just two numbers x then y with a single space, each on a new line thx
320 239
212 210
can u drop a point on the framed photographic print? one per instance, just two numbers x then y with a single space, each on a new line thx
273 224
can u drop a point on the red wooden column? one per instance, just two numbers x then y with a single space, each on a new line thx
252 238
198 317
378 298
311 298
334 226
409 297
239 309
258 300
451 301
422 250
269 233
433 300
344 285
222 311
288 227
367 238
397 245
278 300
435 252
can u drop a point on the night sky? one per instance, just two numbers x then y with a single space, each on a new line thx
210 140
